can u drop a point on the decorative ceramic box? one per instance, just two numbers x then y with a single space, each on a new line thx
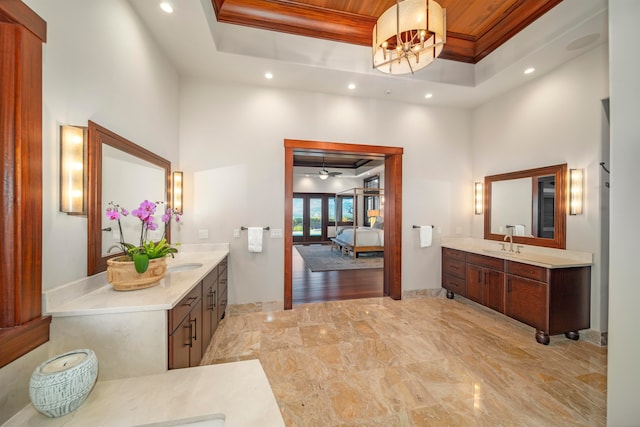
61 384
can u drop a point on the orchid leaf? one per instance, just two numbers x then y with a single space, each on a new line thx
141 262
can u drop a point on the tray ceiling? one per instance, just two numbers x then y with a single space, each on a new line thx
475 28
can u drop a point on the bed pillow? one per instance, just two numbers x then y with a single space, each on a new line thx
379 225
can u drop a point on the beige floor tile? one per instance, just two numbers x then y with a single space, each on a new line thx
416 362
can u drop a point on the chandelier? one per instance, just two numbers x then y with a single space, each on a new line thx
409 36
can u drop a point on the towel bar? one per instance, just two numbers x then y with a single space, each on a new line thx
246 228
418 226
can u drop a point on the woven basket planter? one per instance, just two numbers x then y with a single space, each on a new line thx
122 274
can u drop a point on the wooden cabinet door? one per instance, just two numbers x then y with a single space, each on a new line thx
179 345
494 290
195 350
526 301
475 283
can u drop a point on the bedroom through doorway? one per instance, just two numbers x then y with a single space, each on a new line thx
342 231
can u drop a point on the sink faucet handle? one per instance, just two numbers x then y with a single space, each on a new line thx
503 247
518 249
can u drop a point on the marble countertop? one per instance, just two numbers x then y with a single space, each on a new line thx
532 255
94 295
238 392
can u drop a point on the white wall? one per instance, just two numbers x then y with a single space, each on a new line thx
556 118
232 152
99 64
624 317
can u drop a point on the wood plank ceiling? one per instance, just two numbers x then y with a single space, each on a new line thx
475 28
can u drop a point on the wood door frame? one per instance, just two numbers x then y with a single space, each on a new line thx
392 210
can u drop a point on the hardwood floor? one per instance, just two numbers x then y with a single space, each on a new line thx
323 286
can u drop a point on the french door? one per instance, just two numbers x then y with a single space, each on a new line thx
309 217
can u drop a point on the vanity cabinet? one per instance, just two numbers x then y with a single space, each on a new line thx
454 272
485 281
553 301
185 326
194 320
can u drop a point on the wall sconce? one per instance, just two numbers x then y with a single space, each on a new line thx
373 214
177 192
73 177
576 183
478 197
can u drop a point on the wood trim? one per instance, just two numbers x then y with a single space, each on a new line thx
393 234
99 135
393 207
15 11
297 18
22 326
18 341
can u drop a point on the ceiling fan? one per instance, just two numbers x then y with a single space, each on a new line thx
324 174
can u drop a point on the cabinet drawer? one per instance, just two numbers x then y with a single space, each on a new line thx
453 254
454 284
181 309
529 271
453 268
486 261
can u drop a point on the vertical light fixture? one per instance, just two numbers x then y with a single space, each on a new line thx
176 192
478 197
73 177
576 183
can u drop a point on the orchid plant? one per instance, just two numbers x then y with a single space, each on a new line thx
147 249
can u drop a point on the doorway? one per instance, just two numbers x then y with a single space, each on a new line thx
393 208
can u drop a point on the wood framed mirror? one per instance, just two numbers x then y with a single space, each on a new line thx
123 172
531 204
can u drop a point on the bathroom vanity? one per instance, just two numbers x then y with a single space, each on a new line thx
548 289
146 331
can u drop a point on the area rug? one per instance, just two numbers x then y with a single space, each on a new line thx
322 258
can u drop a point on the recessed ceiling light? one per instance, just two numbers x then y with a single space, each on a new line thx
166 6
388 91
529 70
268 75
428 95
351 86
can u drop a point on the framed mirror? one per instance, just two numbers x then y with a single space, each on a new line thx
125 173
529 204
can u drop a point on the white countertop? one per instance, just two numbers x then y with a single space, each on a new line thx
237 391
532 255
94 295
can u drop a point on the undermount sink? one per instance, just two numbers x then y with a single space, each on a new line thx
184 267
215 420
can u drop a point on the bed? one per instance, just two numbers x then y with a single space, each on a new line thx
358 238
366 240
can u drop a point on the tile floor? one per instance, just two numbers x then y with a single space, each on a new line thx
416 362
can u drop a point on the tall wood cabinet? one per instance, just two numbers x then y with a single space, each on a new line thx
194 320
552 300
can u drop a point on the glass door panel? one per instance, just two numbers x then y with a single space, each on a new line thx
298 219
315 218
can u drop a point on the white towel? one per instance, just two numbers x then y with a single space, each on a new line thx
518 230
255 239
426 232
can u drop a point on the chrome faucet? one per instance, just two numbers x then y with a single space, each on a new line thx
510 237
